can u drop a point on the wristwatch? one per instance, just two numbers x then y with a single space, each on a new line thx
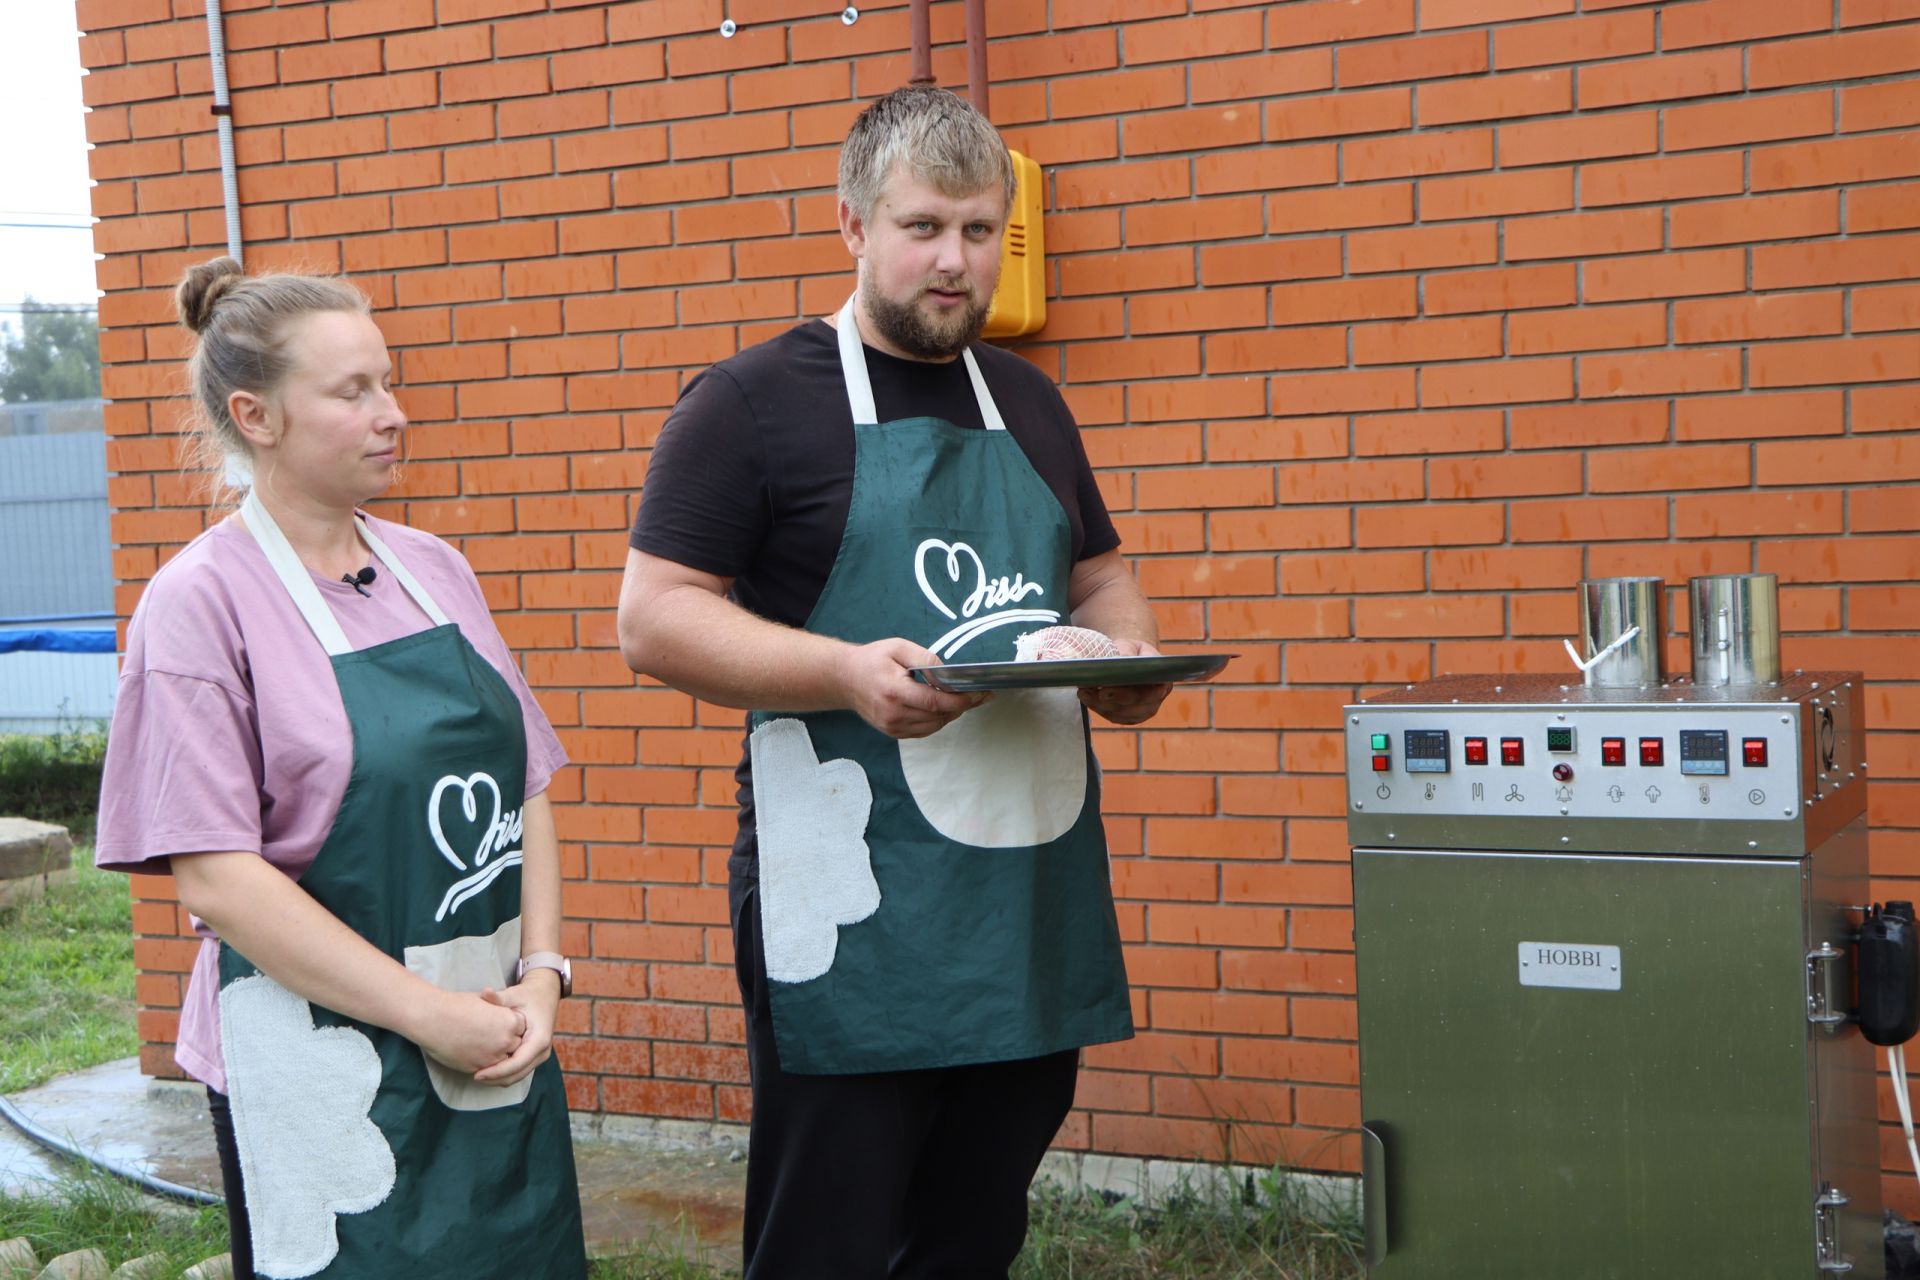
547 960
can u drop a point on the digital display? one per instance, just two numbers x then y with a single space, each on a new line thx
1560 739
1428 750
1703 751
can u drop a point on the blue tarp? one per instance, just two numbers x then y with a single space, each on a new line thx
57 640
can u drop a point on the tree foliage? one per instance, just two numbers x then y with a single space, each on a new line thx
54 356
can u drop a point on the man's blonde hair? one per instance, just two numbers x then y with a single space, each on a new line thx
935 135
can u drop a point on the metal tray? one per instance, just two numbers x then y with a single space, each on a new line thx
1075 673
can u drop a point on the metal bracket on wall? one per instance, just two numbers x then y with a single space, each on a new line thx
1827 986
1826 1230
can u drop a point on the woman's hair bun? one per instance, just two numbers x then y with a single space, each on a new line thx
201 287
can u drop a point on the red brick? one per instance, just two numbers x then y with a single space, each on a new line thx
1836 262
1840 361
1583 235
1660 373
1429 432
1854 56
1879 310
1509 383
1785 315
1508 568
1268 260
1492 194
1266 169
1457 151
1265 75
1661 79
1753 515
1318 393
1831 161
1435 14
1722 124
1804 413
1536 44
1670 468
1558 141
1666 275
1882 208
1586 425
1679 178
1334 300
1455 524
1732 21
1423 341
1878 106
1505 289
1587 329
1497 477
1526 93
1197 129
1339 114
1458 245
1419 58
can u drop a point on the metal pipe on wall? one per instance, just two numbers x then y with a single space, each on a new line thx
977 54
223 114
921 23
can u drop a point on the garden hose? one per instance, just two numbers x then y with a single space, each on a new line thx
147 1182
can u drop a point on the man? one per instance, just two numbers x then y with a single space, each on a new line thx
924 930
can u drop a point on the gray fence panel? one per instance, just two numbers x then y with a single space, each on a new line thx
56 554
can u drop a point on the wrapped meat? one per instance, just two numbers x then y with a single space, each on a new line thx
1051 644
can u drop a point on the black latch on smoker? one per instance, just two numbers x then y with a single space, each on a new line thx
1889 974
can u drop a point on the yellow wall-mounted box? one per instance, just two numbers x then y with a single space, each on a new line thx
1020 301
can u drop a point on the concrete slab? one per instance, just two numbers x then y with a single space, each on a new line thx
637 1183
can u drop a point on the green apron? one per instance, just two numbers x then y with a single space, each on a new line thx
359 1155
943 900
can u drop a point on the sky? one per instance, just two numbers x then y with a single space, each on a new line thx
43 162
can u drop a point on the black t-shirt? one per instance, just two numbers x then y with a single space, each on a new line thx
753 473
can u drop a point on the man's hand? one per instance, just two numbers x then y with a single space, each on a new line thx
879 688
1128 703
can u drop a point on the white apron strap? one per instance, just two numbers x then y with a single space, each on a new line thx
299 583
853 368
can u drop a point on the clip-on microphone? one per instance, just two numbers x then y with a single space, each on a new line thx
358 581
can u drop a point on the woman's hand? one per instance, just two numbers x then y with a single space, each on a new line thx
535 1001
468 1032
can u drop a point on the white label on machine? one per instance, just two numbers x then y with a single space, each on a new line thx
1570 964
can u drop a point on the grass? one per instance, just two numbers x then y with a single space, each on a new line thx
66 978
54 777
94 1211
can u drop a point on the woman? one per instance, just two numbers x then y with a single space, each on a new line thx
322 735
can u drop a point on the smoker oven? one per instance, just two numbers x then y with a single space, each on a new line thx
1603 942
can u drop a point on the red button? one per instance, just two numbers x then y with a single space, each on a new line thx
1653 751
1382 763
1476 750
1754 752
1512 751
1613 751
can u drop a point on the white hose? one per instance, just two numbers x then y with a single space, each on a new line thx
1897 1064
223 115
1604 654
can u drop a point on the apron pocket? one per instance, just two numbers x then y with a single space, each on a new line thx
301 1099
471 964
816 872
1010 774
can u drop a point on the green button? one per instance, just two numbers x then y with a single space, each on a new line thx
1379 742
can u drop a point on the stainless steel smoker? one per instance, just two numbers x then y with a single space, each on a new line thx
1603 932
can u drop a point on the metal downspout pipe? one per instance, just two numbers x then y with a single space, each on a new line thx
920 24
223 115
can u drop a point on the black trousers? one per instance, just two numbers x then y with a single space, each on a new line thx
900 1175
239 1233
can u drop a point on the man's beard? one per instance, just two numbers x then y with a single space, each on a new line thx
908 328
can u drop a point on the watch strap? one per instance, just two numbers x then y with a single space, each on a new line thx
547 960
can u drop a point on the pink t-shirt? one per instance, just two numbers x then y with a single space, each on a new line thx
229 733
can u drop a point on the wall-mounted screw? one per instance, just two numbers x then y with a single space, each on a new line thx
849 16
727 28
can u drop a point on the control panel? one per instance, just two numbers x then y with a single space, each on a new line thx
1719 763
1528 762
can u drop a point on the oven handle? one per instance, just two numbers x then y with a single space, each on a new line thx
1373 1194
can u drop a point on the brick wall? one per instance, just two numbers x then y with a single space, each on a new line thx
1386 322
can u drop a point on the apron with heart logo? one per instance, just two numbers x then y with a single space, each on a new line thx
943 900
360 1155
